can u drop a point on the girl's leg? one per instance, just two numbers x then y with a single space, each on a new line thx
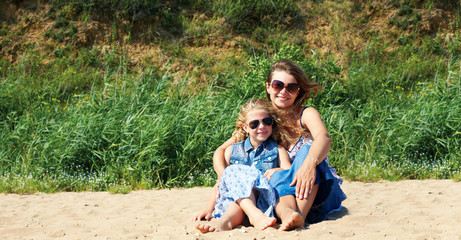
286 209
257 218
233 217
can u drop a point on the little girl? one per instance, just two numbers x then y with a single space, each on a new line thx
244 187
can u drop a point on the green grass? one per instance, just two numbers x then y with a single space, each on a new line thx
106 129
80 119
244 16
142 131
398 115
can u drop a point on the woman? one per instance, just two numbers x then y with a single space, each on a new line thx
309 189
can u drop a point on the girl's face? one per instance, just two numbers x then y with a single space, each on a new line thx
283 98
262 131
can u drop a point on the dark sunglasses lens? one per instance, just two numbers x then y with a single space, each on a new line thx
292 87
268 121
253 124
278 85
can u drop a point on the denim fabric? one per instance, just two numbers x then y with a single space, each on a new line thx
329 195
246 173
265 157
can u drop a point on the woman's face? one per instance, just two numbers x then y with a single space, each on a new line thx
261 132
282 99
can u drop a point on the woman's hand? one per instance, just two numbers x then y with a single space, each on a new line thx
304 178
207 214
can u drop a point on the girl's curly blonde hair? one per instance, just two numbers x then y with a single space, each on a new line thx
280 128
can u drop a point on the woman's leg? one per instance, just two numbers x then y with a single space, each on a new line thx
305 205
257 218
286 209
232 217
293 211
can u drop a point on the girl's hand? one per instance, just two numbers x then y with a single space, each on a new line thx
206 214
269 173
304 178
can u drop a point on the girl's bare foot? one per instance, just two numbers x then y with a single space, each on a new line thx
292 221
215 225
262 221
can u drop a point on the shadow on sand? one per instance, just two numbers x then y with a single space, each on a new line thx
338 214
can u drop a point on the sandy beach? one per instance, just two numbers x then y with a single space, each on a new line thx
428 209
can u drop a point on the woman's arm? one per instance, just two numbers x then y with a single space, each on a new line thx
322 142
227 155
208 212
219 161
305 176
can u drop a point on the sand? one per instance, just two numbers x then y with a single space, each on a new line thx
429 209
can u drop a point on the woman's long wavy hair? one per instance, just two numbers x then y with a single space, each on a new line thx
280 128
306 85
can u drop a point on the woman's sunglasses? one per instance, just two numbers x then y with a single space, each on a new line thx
268 121
279 85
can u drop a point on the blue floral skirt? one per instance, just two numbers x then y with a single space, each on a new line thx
238 181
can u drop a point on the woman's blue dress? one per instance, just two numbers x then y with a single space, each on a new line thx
329 195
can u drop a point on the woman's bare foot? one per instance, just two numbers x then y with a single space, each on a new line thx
262 221
292 221
215 225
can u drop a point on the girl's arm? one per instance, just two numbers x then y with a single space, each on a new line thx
219 161
284 163
305 176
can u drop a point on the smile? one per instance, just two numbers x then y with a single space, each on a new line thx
283 98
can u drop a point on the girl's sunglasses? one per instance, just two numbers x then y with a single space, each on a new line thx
268 121
279 85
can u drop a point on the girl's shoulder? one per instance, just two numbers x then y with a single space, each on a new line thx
238 143
281 148
239 148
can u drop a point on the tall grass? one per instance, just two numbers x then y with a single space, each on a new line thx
245 16
74 124
397 116
143 131
166 16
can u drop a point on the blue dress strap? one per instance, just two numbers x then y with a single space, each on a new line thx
301 117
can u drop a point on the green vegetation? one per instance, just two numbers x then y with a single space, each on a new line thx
245 15
82 118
